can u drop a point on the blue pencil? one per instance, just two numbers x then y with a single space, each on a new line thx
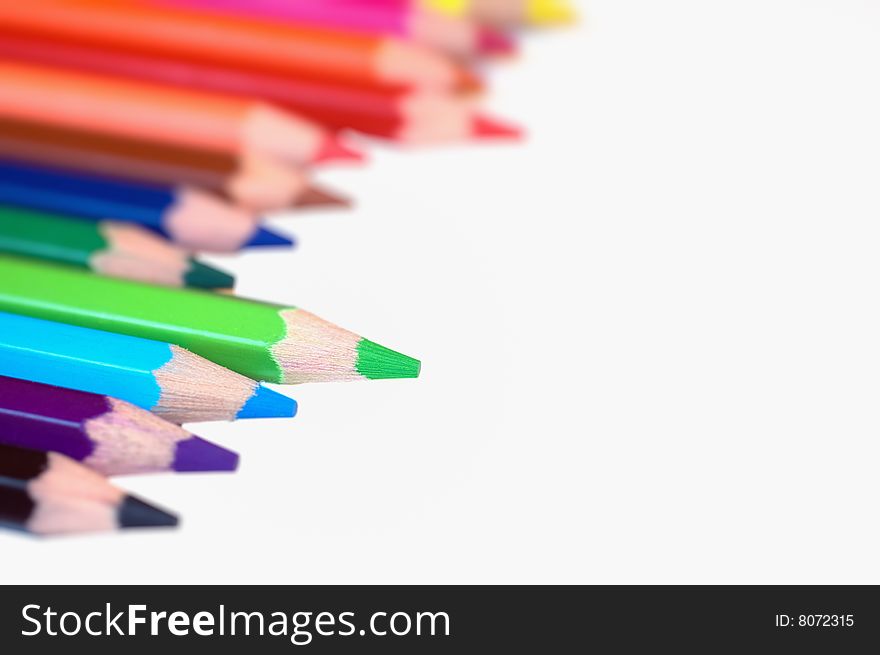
193 218
166 379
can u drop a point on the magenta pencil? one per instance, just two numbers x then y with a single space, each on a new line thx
402 18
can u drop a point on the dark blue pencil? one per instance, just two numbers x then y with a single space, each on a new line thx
193 218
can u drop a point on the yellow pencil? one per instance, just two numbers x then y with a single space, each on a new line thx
509 12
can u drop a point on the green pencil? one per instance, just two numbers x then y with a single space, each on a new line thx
267 342
117 249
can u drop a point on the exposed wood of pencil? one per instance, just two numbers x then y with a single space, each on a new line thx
111 248
409 116
456 35
509 13
236 42
106 434
49 494
263 341
166 379
250 180
192 218
151 111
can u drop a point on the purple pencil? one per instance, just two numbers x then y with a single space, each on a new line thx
108 435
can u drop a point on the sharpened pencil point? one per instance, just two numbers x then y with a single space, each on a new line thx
197 454
495 42
550 12
469 82
266 403
491 128
135 513
377 362
315 196
263 237
207 277
332 149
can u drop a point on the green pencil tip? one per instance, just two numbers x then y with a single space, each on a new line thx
207 277
377 362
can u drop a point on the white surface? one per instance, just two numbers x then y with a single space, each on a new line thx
650 336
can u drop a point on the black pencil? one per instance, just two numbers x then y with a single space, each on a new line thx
48 493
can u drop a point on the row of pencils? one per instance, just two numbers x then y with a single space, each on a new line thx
135 134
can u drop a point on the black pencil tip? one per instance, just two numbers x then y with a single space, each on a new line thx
135 513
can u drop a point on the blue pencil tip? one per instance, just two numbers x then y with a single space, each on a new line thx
264 237
266 403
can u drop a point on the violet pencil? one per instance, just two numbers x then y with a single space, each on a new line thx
109 435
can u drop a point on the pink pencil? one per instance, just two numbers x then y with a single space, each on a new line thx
402 18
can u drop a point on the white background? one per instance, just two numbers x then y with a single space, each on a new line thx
650 335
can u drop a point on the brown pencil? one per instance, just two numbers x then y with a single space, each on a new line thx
250 180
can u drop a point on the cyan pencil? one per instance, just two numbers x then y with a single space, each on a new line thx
163 378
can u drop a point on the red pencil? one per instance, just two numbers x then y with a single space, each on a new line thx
410 116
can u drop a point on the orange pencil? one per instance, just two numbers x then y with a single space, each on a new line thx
112 105
235 42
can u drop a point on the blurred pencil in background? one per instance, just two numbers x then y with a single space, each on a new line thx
237 43
506 13
253 181
407 19
107 247
48 493
409 115
191 218
156 112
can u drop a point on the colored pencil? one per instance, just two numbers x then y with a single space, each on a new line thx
156 112
250 180
49 494
109 436
163 378
189 217
260 340
402 18
235 42
507 13
408 116
116 249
